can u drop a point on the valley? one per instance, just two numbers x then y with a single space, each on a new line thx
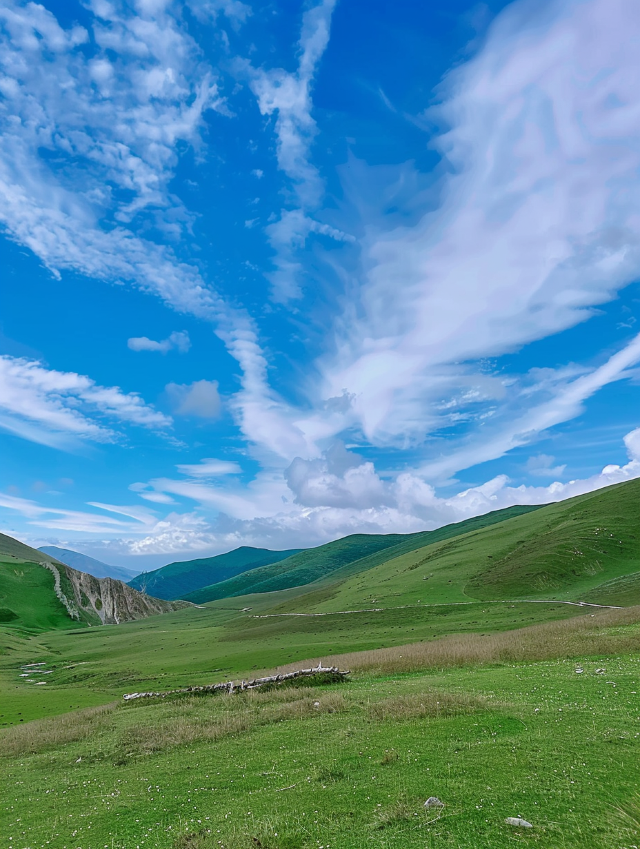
474 661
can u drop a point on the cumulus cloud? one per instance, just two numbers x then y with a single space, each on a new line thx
328 502
200 399
340 494
59 408
178 340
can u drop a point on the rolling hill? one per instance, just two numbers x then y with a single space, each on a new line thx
583 549
352 554
84 563
38 592
175 580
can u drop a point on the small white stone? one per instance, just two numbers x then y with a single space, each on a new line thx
433 802
518 822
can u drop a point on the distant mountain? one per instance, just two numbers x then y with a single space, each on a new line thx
175 580
347 556
84 563
39 592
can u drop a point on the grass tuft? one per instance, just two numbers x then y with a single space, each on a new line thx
429 704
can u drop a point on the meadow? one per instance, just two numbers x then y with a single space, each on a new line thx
542 723
479 674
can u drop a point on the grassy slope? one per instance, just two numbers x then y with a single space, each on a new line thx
563 551
27 597
11 548
353 771
27 591
176 580
345 766
338 559
198 646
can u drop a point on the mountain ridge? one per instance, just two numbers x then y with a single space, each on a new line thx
356 552
68 597
181 577
84 563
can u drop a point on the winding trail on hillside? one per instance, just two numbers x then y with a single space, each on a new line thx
441 604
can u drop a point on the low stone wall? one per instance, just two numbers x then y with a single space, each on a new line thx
241 686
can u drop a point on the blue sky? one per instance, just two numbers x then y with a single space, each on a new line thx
273 273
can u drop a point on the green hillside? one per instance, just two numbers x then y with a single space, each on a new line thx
449 695
27 598
338 559
568 551
11 549
176 580
27 595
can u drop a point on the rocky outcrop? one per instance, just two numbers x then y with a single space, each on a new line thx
107 601
96 601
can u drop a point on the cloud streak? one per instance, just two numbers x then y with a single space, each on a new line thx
536 227
288 96
60 408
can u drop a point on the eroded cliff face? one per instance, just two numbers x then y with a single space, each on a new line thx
104 601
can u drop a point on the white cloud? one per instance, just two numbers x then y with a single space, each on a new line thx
106 141
58 408
329 501
178 340
77 521
236 11
200 399
288 95
537 226
209 468
342 494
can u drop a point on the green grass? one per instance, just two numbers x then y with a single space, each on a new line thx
344 766
478 701
238 636
201 646
339 559
175 580
13 549
563 551
27 592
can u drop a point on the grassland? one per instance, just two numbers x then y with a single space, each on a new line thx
475 678
351 765
351 555
27 598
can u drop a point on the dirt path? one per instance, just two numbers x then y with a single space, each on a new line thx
440 604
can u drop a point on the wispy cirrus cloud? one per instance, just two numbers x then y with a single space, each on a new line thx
209 468
89 144
59 408
288 96
536 227
77 521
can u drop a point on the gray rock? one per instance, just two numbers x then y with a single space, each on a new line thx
433 802
518 822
